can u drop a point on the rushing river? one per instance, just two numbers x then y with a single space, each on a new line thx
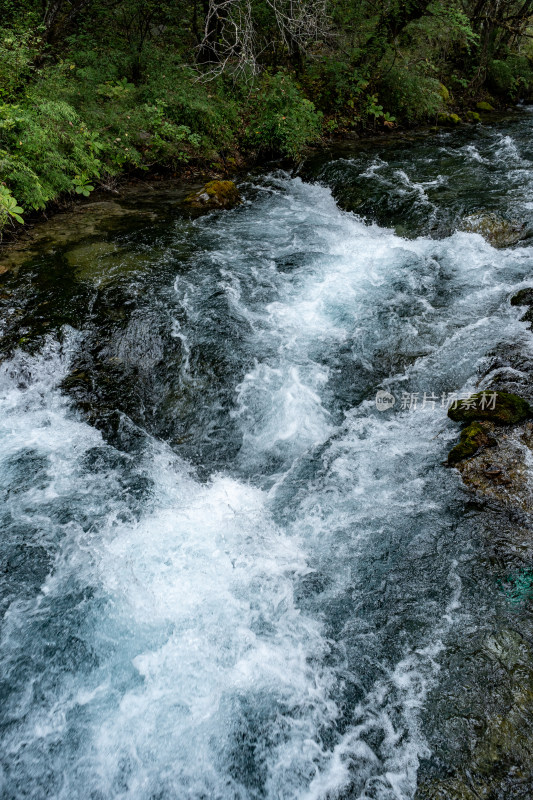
225 572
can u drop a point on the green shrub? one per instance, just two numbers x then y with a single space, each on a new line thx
17 52
9 209
500 79
208 109
522 69
43 146
281 120
336 85
412 96
166 141
169 118
512 77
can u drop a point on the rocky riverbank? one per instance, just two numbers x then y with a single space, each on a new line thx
495 692
193 177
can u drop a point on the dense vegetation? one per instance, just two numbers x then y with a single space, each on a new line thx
90 89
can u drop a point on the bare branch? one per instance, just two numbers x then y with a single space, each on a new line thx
230 42
301 21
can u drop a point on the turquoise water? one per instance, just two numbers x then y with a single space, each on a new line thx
226 573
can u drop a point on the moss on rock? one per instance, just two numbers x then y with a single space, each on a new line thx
215 194
444 93
449 119
501 475
499 407
484 106
473 437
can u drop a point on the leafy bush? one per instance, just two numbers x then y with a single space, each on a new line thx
410 95
281 120
44 145
165 141
500 79
522 69
17 52
169 118
209 110
336 86
512 77
9 209
443 27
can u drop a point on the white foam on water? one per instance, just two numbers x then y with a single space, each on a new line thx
206 675
471 151
194 604
507 149
370 171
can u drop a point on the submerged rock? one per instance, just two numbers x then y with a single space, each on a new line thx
499 734
473 437
499 407
215 194
497 231
524 298
76 228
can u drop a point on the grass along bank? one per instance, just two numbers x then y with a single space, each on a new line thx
90 91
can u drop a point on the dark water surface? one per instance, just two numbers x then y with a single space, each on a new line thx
226 574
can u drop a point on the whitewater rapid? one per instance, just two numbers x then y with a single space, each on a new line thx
259 611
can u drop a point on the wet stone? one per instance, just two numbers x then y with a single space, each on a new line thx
215 194
500 474
524 298
473 437
500 407
497 742
497 231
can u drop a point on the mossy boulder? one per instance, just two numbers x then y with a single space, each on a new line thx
449 119
484 106
502 408
215 194
473 437
497 231
472 116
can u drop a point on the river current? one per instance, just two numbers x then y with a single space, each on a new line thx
226 572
